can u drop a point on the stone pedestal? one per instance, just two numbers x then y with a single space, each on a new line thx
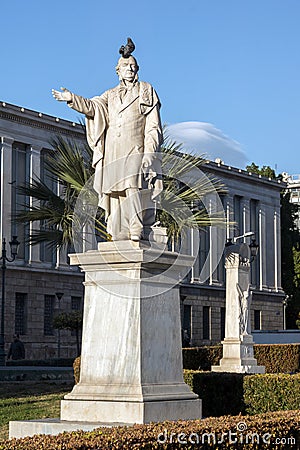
131 363
131 360
238 353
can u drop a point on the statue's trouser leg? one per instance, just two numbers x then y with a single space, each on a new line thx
115 221
133 212
148 206
130 212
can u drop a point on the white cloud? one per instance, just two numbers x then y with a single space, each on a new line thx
205 139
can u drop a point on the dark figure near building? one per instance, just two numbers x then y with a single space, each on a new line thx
186 340
17 349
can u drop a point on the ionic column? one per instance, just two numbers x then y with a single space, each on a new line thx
6 183
277 250
262 247
34 173
246 217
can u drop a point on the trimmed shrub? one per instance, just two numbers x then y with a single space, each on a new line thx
221 393
76 367
232 393
201 358
271 392
279 430
277 358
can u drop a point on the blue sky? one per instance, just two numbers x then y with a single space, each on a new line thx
229 68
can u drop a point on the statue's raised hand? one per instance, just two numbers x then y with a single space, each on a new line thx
62 96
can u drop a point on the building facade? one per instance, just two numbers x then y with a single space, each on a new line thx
38 274
252 202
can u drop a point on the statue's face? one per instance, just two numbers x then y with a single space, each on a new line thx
127 68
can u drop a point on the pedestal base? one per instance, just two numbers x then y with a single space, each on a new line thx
21 428
131 412
231 366
93 414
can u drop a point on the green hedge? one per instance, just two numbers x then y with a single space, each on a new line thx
221 393
232 393
76 367
277 358
271 392
201 358
273 430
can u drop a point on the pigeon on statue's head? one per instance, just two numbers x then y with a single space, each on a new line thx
126 50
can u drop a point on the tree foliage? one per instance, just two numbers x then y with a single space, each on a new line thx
265 171
70 321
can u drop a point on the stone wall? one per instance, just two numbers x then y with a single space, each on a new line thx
269 305
36 284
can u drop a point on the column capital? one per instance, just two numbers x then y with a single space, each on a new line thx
7 140
36 149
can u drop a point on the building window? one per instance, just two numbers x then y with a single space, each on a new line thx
186 325
203 248
76 303
206 322
257 319
20 313
49 304
20 177
222 328
238 215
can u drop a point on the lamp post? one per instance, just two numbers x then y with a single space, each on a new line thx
59 296
14 244
284 304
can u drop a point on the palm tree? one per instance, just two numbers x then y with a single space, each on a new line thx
52 213
185 189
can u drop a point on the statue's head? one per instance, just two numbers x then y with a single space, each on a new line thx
127 67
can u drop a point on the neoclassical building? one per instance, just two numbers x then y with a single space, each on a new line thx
38 275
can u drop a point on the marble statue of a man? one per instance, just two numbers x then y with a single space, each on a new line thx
124 130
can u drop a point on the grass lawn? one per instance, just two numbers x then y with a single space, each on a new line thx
29 400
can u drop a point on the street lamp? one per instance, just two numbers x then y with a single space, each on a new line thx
253 249
253 246
14 245
59 296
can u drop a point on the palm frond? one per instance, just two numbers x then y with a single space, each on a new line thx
71 162
187 186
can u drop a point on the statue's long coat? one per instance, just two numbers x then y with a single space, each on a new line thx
121 127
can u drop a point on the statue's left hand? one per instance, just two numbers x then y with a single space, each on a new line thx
62 96
147 160
147 163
